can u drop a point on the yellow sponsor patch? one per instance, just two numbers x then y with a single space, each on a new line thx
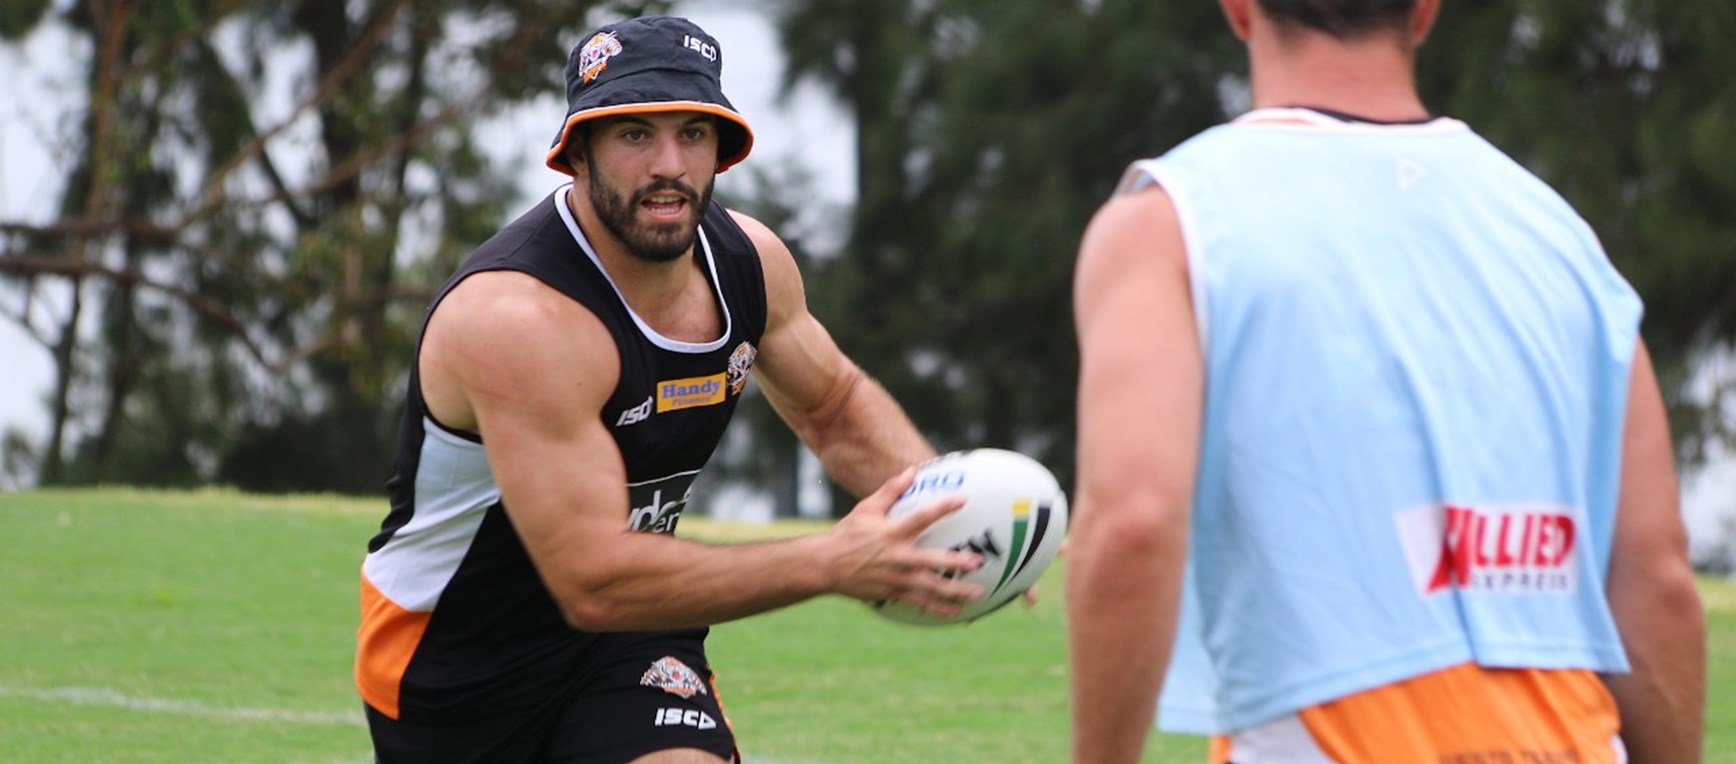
676 394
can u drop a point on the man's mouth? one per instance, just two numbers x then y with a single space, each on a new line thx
665 204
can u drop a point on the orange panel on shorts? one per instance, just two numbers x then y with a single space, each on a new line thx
1468 714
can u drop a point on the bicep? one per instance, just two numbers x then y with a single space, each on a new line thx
534 371
1141 377
1648 519
800 367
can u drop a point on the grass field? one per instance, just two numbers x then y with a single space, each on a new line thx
217 627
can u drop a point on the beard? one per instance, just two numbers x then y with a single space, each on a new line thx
651 242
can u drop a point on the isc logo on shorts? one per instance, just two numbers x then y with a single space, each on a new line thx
685 717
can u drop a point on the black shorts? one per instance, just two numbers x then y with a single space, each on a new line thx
655 697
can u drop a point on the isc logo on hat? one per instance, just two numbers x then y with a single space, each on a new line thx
702 47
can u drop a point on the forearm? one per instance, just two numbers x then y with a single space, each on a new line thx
1123 594
650 581
1651 590
616 580
1662 700
865 438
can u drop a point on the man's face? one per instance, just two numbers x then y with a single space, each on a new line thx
650 177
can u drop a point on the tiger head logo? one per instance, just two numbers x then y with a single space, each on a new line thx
594 57
740 362
674 677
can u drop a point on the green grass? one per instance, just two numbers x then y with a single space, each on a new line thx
218 627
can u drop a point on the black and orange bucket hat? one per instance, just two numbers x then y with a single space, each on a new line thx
650 64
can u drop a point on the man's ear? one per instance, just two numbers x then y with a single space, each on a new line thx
1240 17
1422 20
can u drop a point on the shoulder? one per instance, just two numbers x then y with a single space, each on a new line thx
756 232
783 278
509 323
1131 233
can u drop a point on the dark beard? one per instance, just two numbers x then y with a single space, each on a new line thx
658 243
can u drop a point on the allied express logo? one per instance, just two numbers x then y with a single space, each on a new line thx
1523 549
676 394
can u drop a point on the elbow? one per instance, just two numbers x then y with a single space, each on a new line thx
1143 508
1678 599
585 615
1657 608
1127 527
590 609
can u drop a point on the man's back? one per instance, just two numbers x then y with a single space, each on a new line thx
1416 359
1400 391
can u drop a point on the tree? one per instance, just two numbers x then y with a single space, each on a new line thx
990 131
241 275
1626 107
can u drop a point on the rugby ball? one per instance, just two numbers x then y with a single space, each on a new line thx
1015 515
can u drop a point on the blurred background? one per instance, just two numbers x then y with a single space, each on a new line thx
220 221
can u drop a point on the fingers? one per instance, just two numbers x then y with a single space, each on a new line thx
913 524
950 563
937 594
883 497
881 560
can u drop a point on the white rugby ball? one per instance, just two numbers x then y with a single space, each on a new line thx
1015 515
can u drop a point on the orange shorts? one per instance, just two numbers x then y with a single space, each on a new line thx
1465 714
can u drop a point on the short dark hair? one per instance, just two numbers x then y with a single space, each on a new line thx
1343 19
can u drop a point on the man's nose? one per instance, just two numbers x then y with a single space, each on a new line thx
667 159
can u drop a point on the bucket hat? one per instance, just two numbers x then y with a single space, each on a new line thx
650 64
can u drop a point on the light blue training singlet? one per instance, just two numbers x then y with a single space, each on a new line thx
1417 360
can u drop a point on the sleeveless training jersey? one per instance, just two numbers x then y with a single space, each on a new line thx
1416 359
455 619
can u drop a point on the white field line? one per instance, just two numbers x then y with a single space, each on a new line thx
107 698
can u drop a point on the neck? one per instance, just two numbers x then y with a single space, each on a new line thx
1371 77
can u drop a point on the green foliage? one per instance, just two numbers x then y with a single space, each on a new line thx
256 266
989 133
256 275
1627 108
18 17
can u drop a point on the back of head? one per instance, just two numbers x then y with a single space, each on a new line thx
1342 19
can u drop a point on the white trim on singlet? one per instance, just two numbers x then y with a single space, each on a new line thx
1296 118
652 335
1145 173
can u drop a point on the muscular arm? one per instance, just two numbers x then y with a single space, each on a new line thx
1651 590
1140 397
530 370
858 431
